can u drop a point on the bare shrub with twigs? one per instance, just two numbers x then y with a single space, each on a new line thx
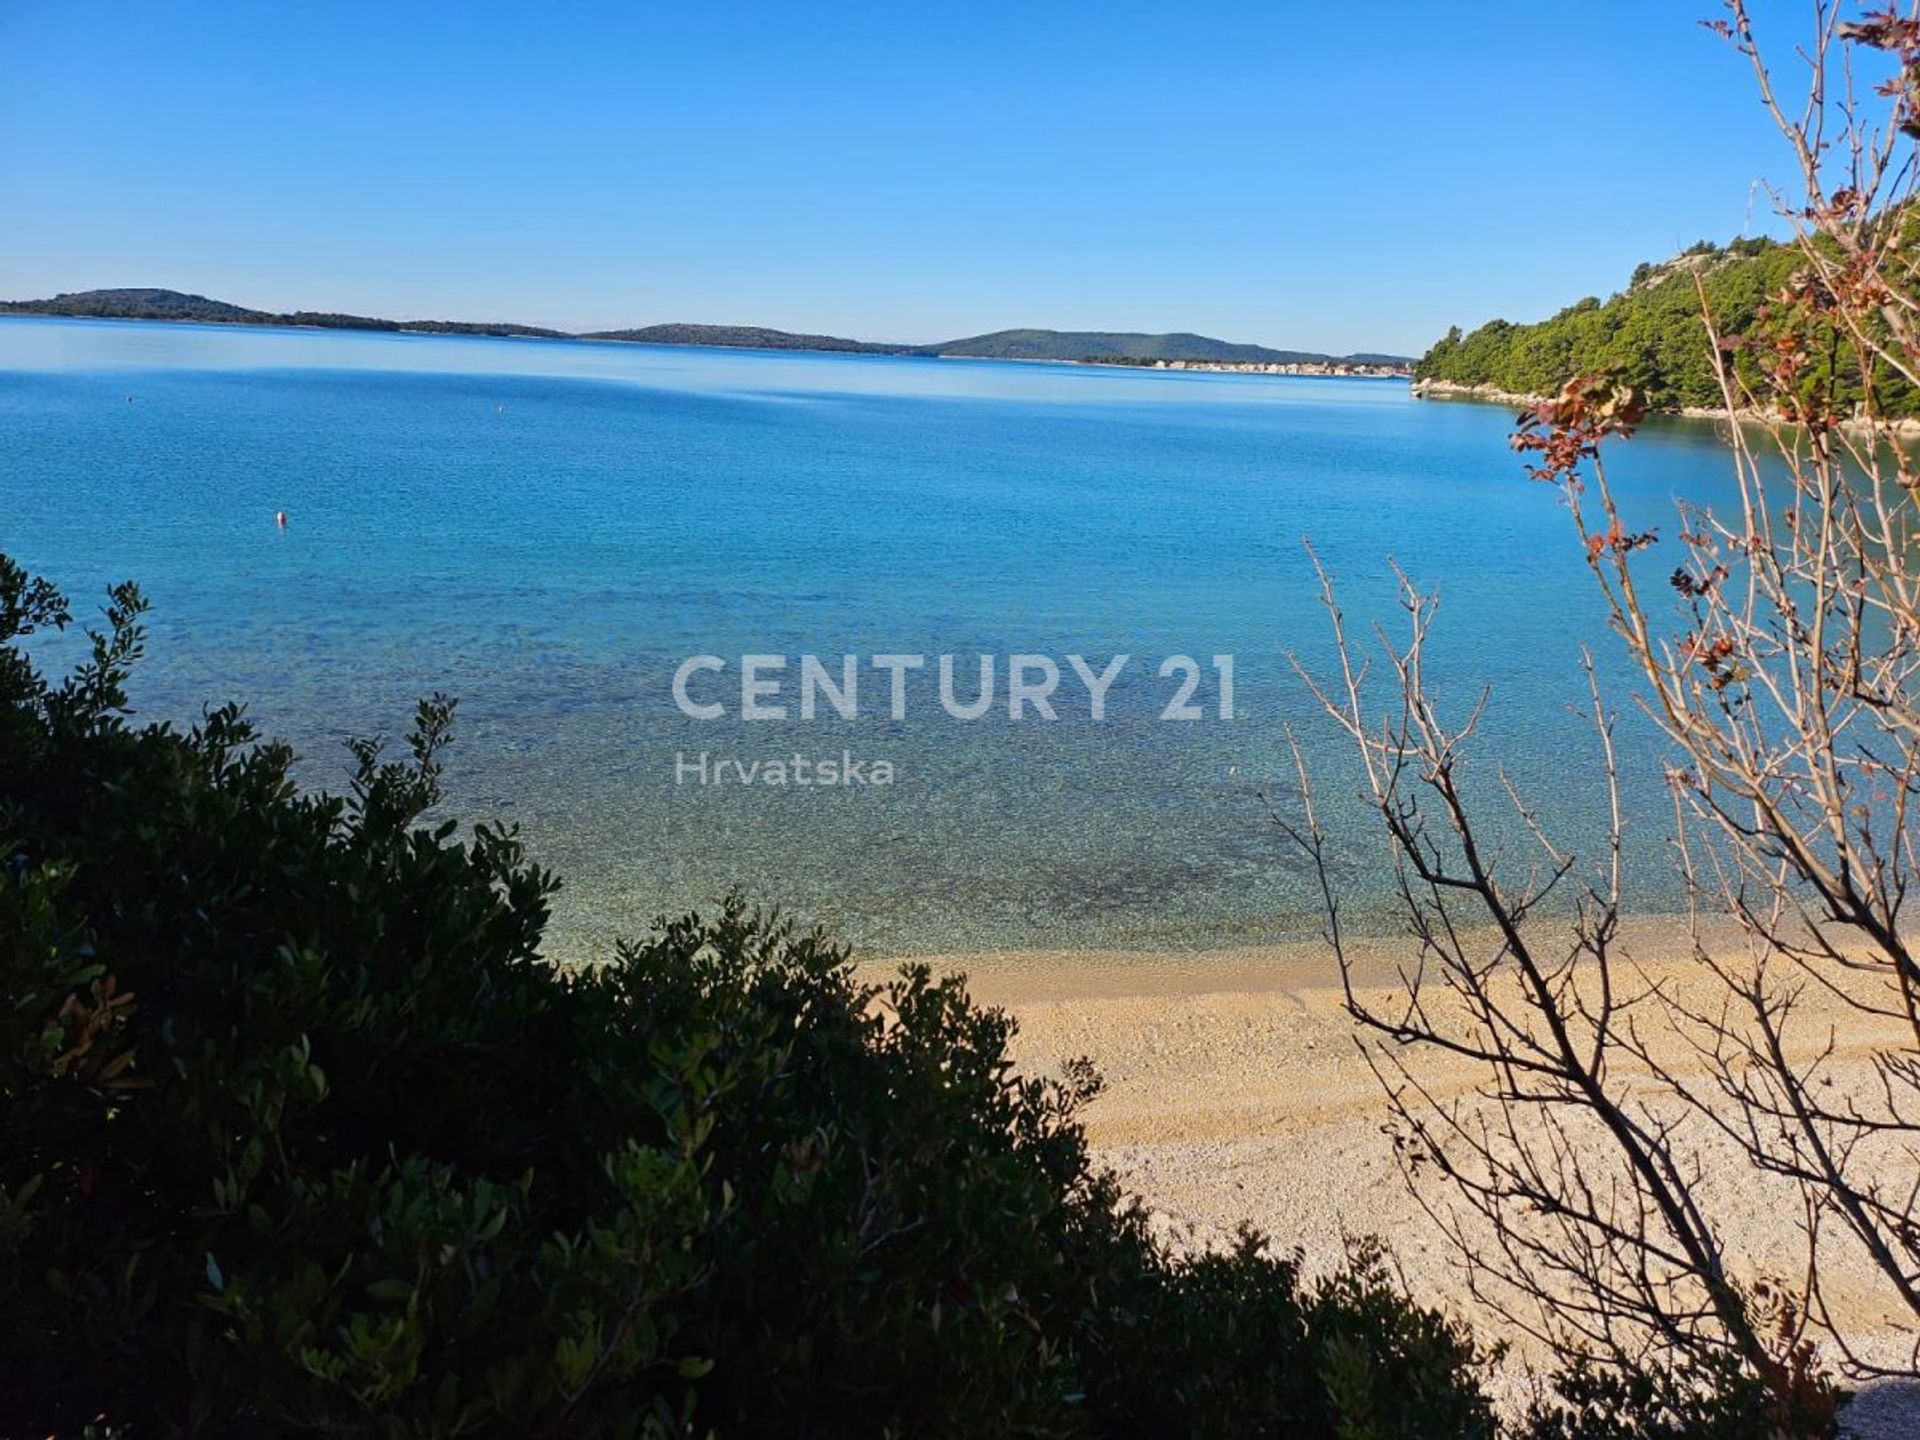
1779 658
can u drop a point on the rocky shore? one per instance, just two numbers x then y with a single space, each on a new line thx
1430 389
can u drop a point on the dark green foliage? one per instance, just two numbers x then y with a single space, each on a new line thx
331 320
300 1133
1652 336
1717 1402
1386 1369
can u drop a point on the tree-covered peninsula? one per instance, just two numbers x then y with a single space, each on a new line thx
1653 334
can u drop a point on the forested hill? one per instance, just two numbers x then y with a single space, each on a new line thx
138 305
152 304
1118 347
1651 332
1136 348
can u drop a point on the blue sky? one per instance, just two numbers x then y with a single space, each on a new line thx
1331 177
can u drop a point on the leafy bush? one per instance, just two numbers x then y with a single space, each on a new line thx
301 1133
1718 1400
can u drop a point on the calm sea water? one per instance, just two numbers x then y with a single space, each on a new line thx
547 529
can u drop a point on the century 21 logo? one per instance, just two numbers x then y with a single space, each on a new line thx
1032 685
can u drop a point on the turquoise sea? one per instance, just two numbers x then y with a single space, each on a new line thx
548 529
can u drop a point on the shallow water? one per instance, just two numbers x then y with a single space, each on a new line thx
547 529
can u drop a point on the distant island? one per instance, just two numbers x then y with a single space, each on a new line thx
1081 347
173 305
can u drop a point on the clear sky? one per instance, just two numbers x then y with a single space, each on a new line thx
1311 175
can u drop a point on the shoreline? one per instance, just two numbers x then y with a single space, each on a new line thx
1493 395
1235 1092
1311 368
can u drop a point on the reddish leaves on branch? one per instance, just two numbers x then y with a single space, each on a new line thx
1887 29
1716 658
1693 586
1619 540
1884 29
1569 428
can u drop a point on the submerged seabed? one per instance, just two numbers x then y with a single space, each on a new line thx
548 529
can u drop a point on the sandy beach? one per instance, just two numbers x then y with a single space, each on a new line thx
1235 1092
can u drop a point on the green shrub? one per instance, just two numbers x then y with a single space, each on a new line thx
1708 1401
300 1133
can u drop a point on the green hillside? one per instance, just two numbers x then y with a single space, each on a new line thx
1652 333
